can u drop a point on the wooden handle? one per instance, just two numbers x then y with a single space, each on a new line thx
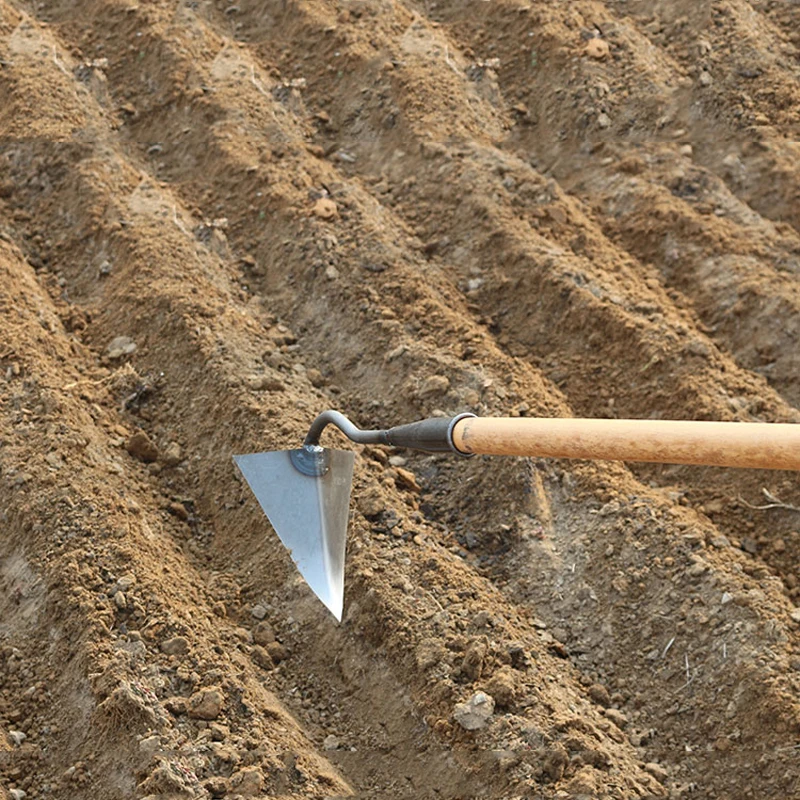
721 444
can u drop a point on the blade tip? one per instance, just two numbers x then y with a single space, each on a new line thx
336 609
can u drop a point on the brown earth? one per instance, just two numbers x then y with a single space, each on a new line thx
218 219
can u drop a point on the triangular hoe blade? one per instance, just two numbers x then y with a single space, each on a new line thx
309 514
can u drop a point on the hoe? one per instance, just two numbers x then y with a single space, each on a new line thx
305 493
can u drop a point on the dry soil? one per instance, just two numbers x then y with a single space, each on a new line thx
218 218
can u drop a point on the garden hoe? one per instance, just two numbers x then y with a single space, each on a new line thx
305 493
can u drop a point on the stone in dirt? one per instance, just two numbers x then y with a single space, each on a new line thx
172 456
262 657
121 346
258 611
407 480
178 510
18 737
141 446
657 771
176 705
475 713
472 663
277 652
600 694
434 384
247 782
217 786
617 717
263 634
555 762
125 582
177 646
206 704
370 502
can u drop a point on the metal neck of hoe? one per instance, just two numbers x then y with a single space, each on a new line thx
429 435
345 426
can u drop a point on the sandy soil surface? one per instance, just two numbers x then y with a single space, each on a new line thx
219 218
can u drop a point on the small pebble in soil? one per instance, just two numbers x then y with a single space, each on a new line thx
556 761
657 771
277 652
217 786
370 502
121 346
206 704
263 634
258 611
177 646
600 694
475 713
434 384
219 732
502 686
472 663
18 737
617 717
172 456
141 446
247 782
178 510
262 657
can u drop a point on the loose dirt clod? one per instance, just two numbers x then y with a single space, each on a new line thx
206 704
325 209
597 48
141 446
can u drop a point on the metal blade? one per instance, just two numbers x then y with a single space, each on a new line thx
309 514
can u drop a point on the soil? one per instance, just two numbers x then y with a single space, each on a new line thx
218 219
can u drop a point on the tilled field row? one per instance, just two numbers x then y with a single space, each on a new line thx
213 264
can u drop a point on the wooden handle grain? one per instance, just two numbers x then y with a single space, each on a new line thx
723 444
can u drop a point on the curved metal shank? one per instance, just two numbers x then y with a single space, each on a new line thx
429 435
345 426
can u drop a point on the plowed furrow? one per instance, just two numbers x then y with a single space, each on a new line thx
378 613
540 297
95 551
740 273
267 263
520 226
737 117
148 235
